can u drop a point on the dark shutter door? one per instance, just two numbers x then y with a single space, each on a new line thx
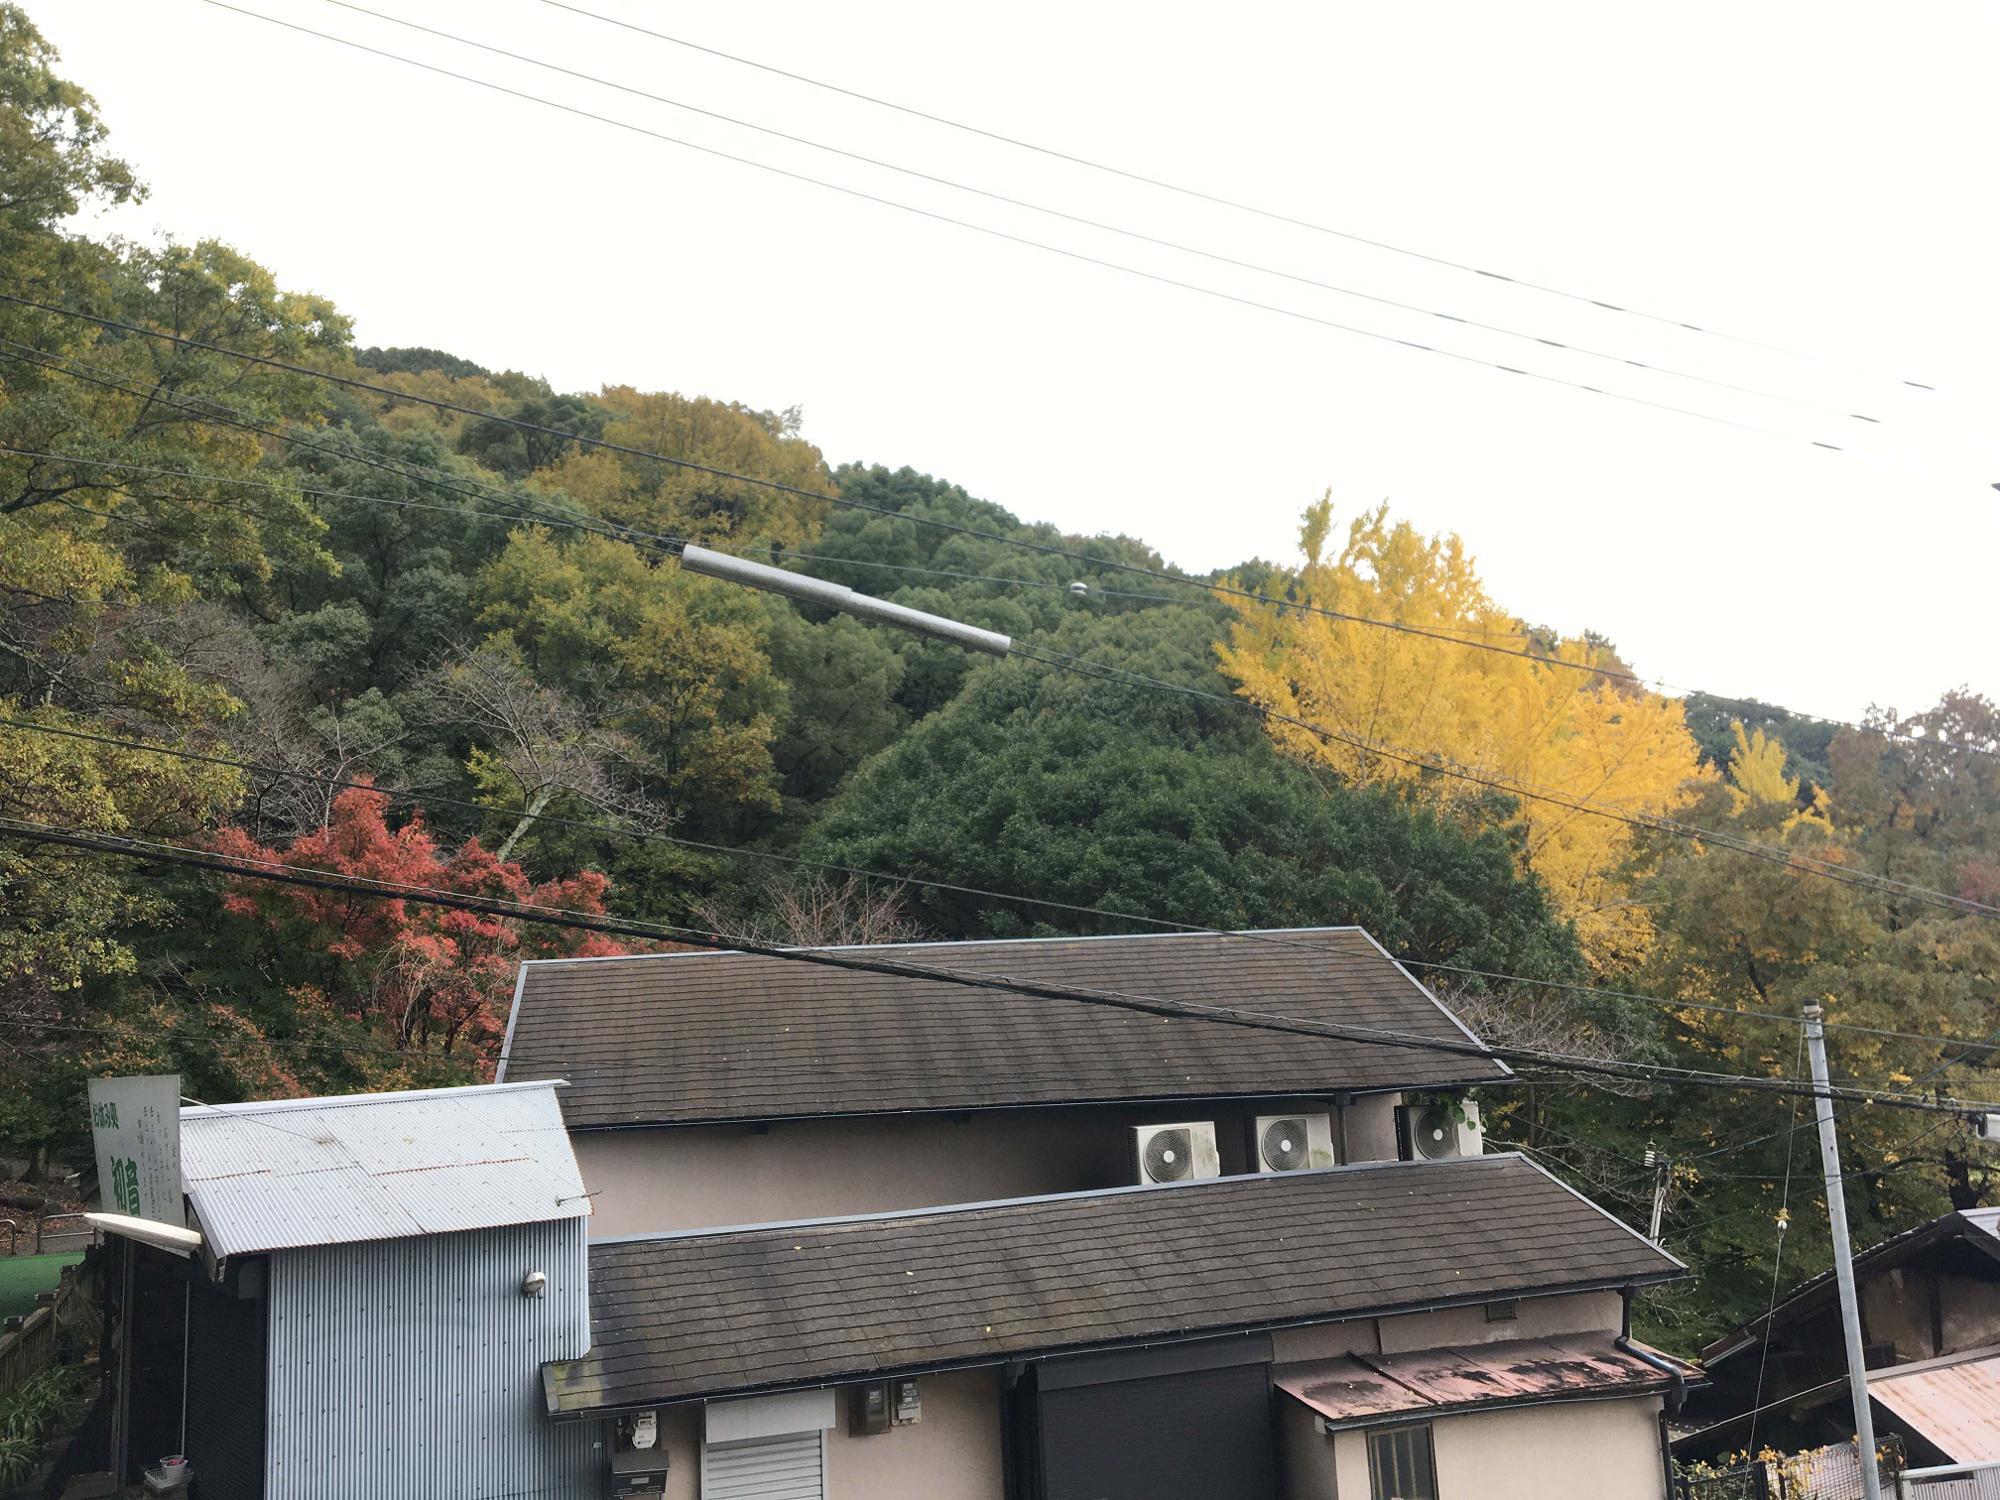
1204 1435
225 1416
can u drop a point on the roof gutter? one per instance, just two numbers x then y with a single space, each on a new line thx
1624 1286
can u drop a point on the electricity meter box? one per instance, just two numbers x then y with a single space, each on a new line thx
638 1462
882 1404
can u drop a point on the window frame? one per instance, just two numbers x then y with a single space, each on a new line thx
1376 1485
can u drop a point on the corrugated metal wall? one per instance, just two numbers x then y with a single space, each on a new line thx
414 1367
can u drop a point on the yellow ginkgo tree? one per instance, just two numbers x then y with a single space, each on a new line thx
1401 705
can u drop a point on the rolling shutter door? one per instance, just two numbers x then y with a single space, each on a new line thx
775 1468
1199 1435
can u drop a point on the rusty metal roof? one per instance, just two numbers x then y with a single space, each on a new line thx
672 1038
1359 1390
285 1173
1954 1402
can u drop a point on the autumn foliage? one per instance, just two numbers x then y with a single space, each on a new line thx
415 975
1533 716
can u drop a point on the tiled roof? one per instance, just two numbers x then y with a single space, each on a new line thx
283 1173
719 1312
680 1037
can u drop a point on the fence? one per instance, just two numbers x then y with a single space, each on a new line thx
1830 1473
51 1235
1952 1482
29 1349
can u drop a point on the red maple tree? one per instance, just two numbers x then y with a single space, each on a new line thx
424 976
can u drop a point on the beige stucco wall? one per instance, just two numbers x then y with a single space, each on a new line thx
651 1181
1585 1450
1535 1318
1306 1455
953 1453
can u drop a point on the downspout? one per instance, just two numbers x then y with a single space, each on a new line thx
1011 1487
1676 1397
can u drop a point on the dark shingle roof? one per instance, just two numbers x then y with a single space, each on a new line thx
683 1037
710 1313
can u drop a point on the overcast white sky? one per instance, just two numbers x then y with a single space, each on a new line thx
1817 176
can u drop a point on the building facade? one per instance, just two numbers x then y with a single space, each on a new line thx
859 1234
379 1281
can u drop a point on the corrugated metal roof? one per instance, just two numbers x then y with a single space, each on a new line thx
286 1173
1361 1389
1954 1402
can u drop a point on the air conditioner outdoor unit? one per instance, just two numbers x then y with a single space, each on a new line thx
1293 1143
1438 1129
1176 1153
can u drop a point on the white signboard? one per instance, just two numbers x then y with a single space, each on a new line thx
136 1123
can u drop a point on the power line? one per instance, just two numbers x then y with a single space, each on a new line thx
1189 192
1090 223
1791 859
160 852
1695 1005
413 797
1023 240
672 544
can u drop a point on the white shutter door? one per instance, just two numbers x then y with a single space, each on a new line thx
779 1468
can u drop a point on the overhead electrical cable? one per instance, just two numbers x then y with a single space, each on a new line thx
1163 184
409 797
279 872
1097 224
1793 859
1022 240
1024 543
1992 1043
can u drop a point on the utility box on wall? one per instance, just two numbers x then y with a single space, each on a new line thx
638 1460
882 1404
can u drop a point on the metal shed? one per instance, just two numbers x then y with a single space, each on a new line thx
382 1278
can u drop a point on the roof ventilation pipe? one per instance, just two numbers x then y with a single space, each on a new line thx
839 596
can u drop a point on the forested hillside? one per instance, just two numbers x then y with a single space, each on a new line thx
450 645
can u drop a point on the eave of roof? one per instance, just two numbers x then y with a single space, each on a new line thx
702 1314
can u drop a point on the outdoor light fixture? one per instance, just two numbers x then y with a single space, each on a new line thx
840 597
534 1284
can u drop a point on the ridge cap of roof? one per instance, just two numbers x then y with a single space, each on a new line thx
1089 937
247 1107
941 1210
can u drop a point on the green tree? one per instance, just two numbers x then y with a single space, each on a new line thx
1102 794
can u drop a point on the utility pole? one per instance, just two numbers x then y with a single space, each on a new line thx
1843 1257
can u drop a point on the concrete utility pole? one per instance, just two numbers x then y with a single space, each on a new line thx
1843 1258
